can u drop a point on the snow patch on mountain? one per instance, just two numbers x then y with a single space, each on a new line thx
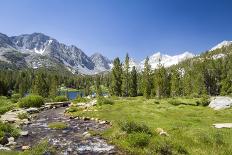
222 44
166 60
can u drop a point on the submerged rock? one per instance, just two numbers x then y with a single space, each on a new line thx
220 102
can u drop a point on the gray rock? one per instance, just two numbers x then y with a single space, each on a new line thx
223 125
11 139
24 133
4 148
32 110
220 102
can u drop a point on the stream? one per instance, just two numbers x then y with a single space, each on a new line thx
70 141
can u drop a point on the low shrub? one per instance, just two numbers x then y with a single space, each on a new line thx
175 102
23 115
60 99
204 101
5 105
80 100
103 100
138 139
31 101
41 148
57 125
72 109
4 109
15 98
131 126
6 128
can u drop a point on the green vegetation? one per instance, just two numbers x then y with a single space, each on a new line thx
31 101
57 125
15 98
103 100
41 148
189 127
23 116
5 104
60 99
80 100
6 128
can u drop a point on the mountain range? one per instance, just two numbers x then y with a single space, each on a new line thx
38 50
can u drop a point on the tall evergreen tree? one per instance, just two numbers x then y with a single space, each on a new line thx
40 85
116 85
146 81
161 81
125 77
53 91
98 85
175 83
133 83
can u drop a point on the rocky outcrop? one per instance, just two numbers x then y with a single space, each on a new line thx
220 102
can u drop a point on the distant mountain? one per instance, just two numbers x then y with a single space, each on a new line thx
165 60
43 50
101 63
38 50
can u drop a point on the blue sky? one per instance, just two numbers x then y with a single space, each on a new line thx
115 27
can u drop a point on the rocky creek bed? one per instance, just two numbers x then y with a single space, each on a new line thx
75 139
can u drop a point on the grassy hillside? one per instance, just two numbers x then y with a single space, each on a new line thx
189 126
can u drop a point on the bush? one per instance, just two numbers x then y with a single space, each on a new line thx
15 98
41 148
60 99
138 139
175 102
23 115
72 109
5 105
57 125
131 126
6 128
204 101
31 101
80 100
103 100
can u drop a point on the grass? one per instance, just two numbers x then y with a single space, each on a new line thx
189 126
23 115
60 99
31 101
80 100
57 125
41 148
6 128
5 104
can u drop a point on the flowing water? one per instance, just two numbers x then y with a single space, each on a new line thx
70 141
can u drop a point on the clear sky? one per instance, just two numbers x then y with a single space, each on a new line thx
115 27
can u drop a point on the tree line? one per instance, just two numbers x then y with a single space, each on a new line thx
196 77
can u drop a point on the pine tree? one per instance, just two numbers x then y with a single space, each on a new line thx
98 86
53 91
161 81
133 83
146 79
116 85
40 85
125 77
175 83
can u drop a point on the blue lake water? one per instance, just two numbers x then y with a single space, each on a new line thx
74 94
